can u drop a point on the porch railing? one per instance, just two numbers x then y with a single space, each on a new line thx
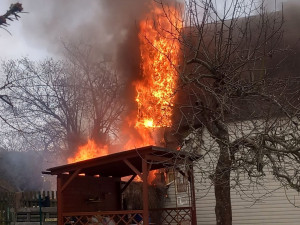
125 217
166 216
172 216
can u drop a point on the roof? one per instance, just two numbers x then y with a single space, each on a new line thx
115 164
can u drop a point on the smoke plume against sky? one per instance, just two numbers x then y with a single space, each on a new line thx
105 24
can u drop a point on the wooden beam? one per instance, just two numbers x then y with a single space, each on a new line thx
157 158
145 193
168 161
133 168
70 179
193 195
128 182
59 201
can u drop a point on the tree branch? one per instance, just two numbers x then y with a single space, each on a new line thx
11 14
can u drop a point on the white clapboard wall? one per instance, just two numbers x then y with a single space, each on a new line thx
252 203
271 204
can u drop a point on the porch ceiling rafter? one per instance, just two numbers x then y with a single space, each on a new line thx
128 182
133 168
165 160
75 174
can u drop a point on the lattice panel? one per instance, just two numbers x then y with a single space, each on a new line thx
176 216
107 219
170 216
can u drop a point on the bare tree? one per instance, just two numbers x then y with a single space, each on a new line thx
237 93
55 102
11 14
103 88
47 105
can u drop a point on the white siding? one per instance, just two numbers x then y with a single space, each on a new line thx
272 204
177 198
276 207
252 204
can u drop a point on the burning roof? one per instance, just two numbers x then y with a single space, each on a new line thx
115 164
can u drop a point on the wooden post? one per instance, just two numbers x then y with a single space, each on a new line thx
145 193
59 200
40 208
193 195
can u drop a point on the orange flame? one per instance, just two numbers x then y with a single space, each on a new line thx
151 177
159 49
88 151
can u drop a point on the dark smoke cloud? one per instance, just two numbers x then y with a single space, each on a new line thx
110 26
105 24
22 170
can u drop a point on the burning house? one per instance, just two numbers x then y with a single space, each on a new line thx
90 187
80 202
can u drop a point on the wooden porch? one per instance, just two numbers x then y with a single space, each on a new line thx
90 192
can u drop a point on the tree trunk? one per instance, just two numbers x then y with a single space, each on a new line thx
97 135
222 187
74 140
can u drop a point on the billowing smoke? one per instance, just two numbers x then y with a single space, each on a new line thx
21 171
111 27
105 24
272 5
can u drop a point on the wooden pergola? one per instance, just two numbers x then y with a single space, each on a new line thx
91 190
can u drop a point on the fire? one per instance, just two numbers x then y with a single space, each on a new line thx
139 137
151 177
159 49
155 92
88 151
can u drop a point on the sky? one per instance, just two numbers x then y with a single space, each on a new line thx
38 33
32 34
13 45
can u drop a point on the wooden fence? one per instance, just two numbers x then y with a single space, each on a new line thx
36 215
32 199
27 206
7 202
